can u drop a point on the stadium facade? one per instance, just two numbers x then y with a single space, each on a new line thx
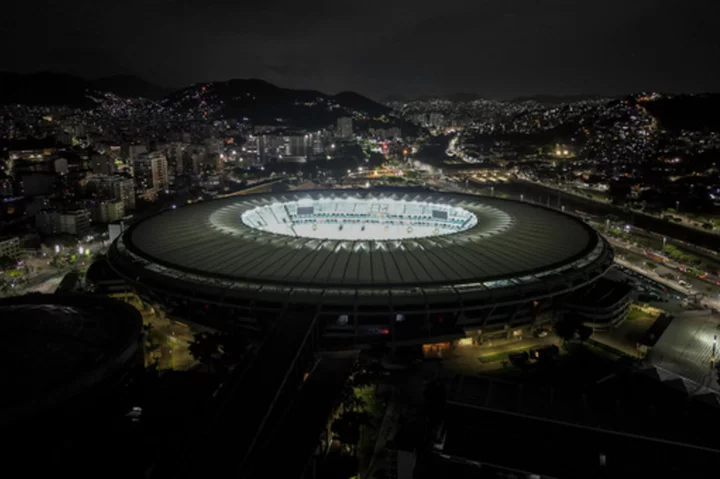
369 265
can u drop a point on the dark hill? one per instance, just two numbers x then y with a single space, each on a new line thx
130 86
52 89
687 112
264 103
358 102
558 99
60 89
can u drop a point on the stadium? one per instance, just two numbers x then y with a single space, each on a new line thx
368 265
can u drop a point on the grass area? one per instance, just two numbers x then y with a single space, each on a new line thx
503 356
375 408
578 365
636 314
602 352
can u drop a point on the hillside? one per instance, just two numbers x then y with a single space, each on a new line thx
687 112
258 101
60 89
264 103
129 86
52 89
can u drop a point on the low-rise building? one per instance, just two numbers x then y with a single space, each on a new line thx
602 305
10 247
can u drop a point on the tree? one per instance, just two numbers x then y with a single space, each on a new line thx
218 351
435 397
584 332
6 262
349 401
565 328
346 428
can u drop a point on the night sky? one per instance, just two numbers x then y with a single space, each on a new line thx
498 48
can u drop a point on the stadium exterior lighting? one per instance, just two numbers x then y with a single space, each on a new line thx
429 248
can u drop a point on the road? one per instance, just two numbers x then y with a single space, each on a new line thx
43 278
708 287
544 195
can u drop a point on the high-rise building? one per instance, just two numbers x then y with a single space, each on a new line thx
296 145
345 127
151 172
53 222
75 222
60 166
108 211
39 184
133 151
119 188
101 164
315 142
250 152
174 152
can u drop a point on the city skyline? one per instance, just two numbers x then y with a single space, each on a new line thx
490 49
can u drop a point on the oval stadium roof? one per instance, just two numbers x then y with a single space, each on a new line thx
510 240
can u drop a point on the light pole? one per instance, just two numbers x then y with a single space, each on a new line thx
492 191
521 197
664 241
677 206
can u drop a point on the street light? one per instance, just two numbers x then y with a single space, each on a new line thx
81 250
57 248
677 206
522 197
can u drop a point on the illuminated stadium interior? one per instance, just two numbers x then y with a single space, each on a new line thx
359 219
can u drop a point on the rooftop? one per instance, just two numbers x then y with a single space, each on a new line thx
510 243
